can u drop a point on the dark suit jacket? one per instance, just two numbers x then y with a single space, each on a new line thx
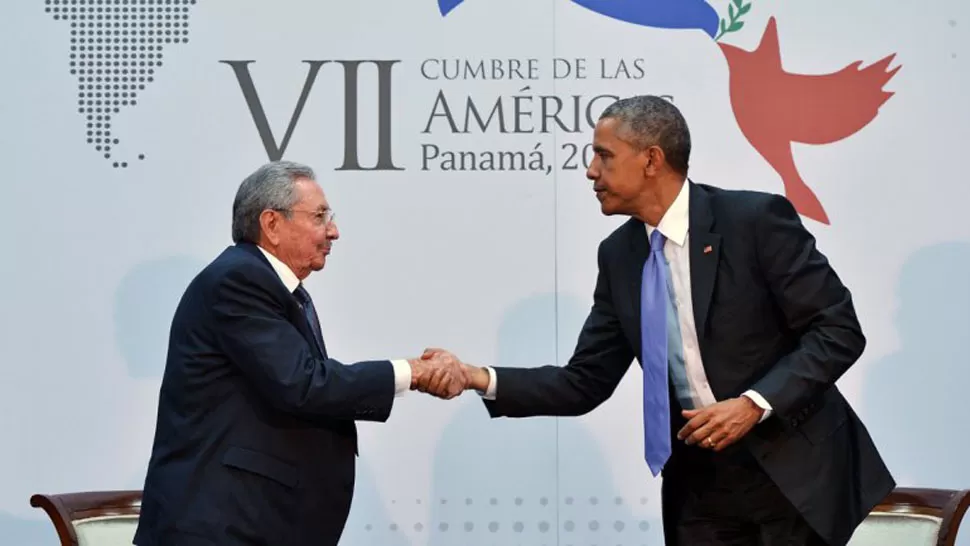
771 315
255 440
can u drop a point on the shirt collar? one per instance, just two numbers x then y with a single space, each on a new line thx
675 221
289 278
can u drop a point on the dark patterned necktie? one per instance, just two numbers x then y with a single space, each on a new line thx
310 313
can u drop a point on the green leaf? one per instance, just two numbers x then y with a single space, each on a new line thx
735 26
738 3
723 25
744 9
731 12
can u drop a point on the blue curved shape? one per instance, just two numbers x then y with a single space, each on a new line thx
445 6
674 14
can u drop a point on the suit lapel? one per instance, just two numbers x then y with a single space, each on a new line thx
705 253
639 250
293 310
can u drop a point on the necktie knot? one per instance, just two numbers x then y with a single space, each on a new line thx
302 295
657 241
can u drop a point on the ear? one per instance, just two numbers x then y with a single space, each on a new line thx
269 222
655 161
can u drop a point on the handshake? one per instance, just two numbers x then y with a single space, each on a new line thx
442 374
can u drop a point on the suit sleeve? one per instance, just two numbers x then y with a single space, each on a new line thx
271 353
601 358
814 303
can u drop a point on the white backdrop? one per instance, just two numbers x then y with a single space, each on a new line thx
496 265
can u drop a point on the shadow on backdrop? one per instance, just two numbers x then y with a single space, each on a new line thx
498 481
23 532
144 305
915 399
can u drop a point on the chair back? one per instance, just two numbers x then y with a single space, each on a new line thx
914 517
96 518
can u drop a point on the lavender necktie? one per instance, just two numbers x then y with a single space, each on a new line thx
653 332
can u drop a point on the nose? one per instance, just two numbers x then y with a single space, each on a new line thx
593 171
333 233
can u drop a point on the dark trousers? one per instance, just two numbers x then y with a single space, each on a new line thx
726 499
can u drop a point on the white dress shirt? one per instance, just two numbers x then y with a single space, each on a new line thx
402 370
674 227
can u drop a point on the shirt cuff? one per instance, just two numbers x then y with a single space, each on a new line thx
402 376
489 393
760 402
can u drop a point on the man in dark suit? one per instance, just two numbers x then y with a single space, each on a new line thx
255 440
742 329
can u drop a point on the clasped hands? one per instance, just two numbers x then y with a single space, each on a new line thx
440 373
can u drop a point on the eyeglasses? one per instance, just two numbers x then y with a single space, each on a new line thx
320 217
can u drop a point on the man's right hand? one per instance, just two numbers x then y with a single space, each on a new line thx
440 374
475 377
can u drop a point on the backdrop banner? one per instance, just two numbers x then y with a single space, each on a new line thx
452 139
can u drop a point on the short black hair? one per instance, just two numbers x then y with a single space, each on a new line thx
649 120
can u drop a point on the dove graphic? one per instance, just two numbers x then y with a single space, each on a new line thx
775 108
445 6
672 14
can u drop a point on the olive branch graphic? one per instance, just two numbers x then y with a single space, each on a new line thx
736 9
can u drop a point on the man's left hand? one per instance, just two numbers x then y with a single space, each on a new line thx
719 425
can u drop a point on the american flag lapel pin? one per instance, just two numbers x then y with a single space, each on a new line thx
708 249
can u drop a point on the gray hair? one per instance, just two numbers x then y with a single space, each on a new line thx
272 187
649 120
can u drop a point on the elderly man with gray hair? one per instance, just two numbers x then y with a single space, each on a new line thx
255 440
